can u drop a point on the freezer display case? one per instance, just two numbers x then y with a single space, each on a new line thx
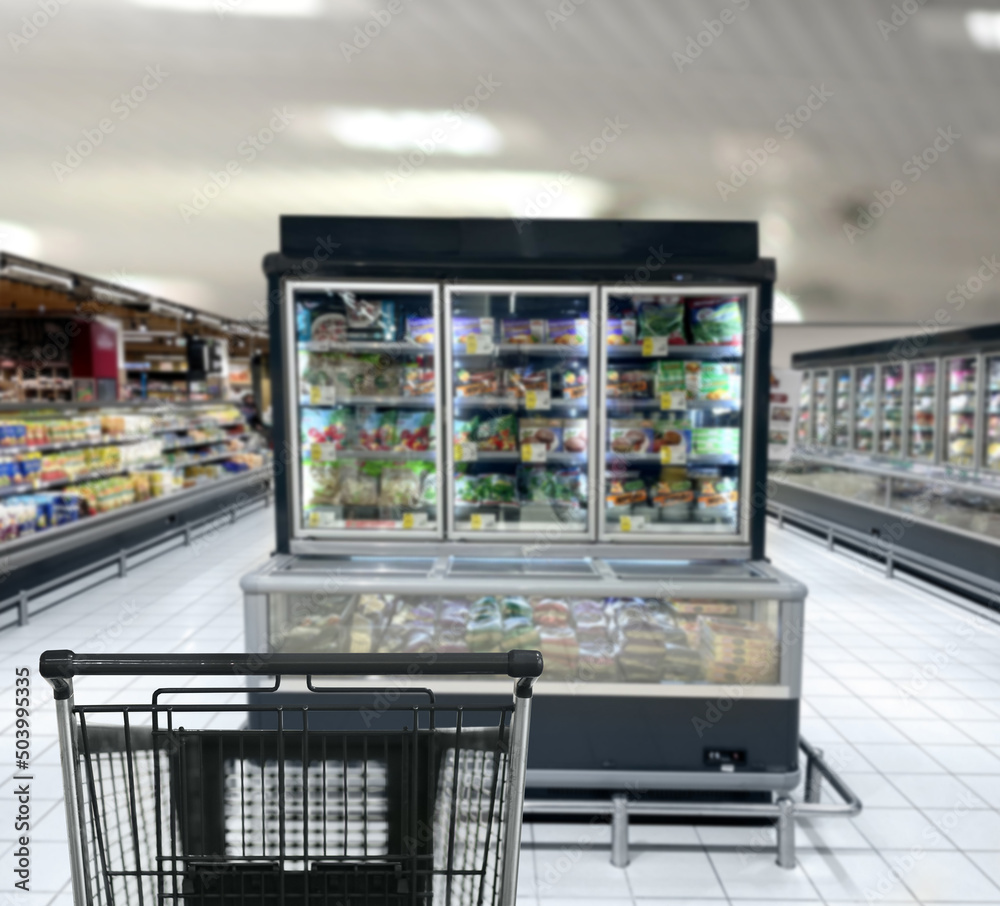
821 407
674 442
864 409
363 398
842 414
616 637
928 487
520 421
923 390
960 446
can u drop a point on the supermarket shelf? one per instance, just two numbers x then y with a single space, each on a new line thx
390 347
385 455
75 444
198 461
694 405
399 402
152 372
204 443
41 408
654 459
199 426
15 489
556 457
556 349
706 353
502 402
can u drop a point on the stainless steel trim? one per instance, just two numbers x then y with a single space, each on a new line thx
517 760
69 759
654 780
292 427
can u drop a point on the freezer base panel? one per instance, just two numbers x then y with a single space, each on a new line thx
958 562
605 743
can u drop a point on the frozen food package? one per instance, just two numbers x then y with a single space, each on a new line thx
546 432
630 383
418 379
420 330
569 380
630 435
328 328
465 328
518 381
718 381
368 320
376 429
662 317
523 331
621 331
399 486
478 382
484 631
497 434
569 331
414 431
327 426
574 435
560 651
670 377
716 322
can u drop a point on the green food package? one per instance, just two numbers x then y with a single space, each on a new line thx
669 377
662 318
716 322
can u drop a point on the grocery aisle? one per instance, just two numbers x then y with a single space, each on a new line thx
902 689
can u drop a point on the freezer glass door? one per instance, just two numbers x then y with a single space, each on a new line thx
891 418
363 402
864 408
923 410
822 408
805 409
991 444
519 390
842 408
674 444
960 450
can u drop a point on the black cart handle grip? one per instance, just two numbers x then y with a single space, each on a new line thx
55 665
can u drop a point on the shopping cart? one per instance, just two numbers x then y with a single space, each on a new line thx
359 796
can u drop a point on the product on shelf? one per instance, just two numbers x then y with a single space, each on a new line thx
569 380
738 651
420 330
671 377
483 382
488 489
560 651
519 381
626 489
485 628
716 497
418 379
714 381
546 432
556 487
715 441
672 431
715 322
621 331
673 494
497 434
569 331
662 317
630 435
522 331
327 426
630 383
466 328
575 435
414 431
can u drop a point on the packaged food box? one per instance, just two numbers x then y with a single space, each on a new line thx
626 490
414 431
630 436
672 431
716 322
497 434
523 331
420 330
328 328
569 331
633 383
574 435
518 381
621 331
369 320
465 327
662 317
548 432
570 380
717 381
484 382
670 377
544 484
418 379
327 426
715 441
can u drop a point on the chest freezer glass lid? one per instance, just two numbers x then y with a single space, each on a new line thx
375 566
715 571
528 566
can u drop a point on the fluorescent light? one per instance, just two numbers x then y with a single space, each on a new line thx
983 27
19 240
786 310
427 131
32 275
290 9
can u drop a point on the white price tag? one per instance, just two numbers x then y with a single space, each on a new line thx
319 345
322 395
673 400
673 455
482 521
632 523
414 520
466 452
537 399
323 452
534 453
322 519
656 346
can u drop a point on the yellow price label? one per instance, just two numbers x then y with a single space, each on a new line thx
476 521
625 523
673 399
316 454
471 344
656 346
315 396
647 349
314 520
666 455
531 399
408 520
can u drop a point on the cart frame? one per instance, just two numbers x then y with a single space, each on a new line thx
60 667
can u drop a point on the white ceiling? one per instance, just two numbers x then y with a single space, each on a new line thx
120 211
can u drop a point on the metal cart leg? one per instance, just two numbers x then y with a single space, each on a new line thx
70 758
890 565
520 723
619 830
829 538
122 564
22 609
814 778
786 832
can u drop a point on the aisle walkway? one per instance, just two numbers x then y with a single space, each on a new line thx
902 692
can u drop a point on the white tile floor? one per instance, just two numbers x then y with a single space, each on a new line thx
902 690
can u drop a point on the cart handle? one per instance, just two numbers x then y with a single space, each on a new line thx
62 664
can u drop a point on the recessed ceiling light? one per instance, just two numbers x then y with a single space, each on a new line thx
428 131
291 9
19 240
786 310
983 27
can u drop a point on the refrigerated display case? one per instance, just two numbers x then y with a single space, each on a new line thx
939 492
842 410
804 433
597 449
821 407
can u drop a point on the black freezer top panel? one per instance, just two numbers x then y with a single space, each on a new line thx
509 240
925 345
